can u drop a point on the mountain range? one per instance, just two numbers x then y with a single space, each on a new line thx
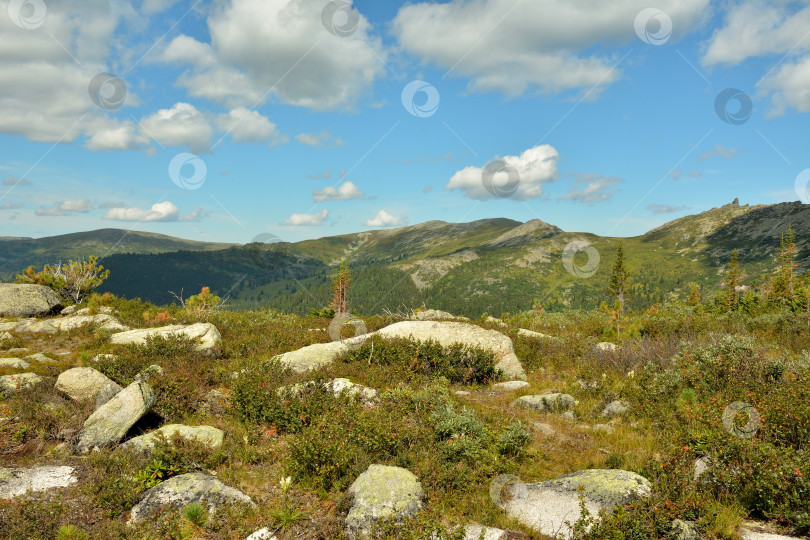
486 266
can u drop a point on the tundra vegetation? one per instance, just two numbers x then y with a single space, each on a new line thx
679 365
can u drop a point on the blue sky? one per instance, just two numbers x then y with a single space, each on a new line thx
224 119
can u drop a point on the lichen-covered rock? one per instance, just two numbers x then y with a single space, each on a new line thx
450 333
432 315
41 358
63 324
206 334
510 386
317 355
534 335
336 387
87 384
684 530
182 490
16 363
4 336
17 481
10 383
547 506
554 402
382 493
111 421
28 300
615 408
207 435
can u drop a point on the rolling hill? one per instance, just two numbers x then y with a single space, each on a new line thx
492 265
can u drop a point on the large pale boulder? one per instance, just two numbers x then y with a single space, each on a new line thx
206 334
63 324
382 493
433 315
87 384
10 383
450 333
28 300
554 402
547 506
207 435
336 387
17 481
182 490
111 421
317 355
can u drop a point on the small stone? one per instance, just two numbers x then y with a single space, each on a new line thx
569 415
606 346
100 357
684 530
86 383
553 402
545 429
604 427
461 393
261 534
69 310
477 532
207 435
615 408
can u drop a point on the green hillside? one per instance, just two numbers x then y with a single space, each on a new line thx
492 265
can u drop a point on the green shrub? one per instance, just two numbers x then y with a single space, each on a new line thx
459 364
73 281
512 441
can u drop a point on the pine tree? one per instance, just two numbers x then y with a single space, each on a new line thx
733 273
619 280
340 288
782 283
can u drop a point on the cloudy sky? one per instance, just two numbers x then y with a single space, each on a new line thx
226 119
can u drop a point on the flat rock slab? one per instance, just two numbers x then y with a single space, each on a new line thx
546 506
207 435
182 490
16 363
534 335
10 383
554 402
17 481
41 358
748 534
317 355
206 334
433 315
382 493
111 421
510 386
28 300
87 384
450 333
64 324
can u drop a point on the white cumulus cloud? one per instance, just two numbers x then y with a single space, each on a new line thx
65 208
384 219
534 45
245 125
162 211
182 125
307 220
346 192
592 188
533 168
263 48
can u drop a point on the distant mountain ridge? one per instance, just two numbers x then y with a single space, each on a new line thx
490 265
